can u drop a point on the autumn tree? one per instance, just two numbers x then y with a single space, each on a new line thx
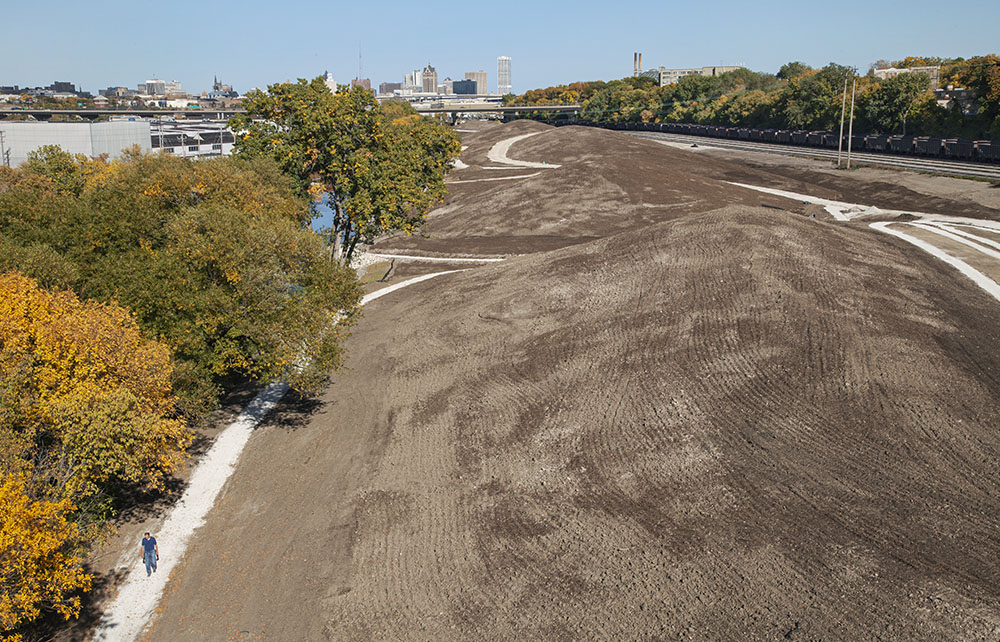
40 561
85 400
379 170
212 257
85 410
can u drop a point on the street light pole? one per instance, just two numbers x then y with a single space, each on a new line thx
843 109
850 127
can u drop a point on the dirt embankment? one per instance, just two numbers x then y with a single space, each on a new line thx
606 183
741 423
611 182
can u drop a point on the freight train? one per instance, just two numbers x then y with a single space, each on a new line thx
960 149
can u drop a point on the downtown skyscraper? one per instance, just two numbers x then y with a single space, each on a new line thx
503 75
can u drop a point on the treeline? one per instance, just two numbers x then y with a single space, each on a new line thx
135 292
799 97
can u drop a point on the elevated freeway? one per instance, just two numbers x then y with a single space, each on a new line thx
94 114
223 114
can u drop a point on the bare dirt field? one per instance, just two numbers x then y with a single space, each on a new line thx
679 409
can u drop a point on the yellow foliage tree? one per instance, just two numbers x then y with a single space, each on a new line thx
83 396
39 563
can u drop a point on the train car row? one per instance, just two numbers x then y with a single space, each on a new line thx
966 149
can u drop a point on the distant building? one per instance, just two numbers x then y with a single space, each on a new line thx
389 87
173 89
62 87
117 92
951 97
197 139
153 88
670 76
220 90
329 81
503 75
429 77
414 81
445 88
9 89
364 83
479 77
465 87
934 73
91 139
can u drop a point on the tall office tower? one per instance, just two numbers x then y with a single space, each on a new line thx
329 81
153 88
430 79
503 75
480 77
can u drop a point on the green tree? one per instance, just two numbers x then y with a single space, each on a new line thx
211 256
813 99
793 69
380 172
887 105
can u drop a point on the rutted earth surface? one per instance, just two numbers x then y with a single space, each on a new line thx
680 409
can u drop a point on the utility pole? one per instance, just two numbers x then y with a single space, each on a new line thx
4 159
843 109
850 127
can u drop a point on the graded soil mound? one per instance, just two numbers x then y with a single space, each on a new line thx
743 424
610 181
606 182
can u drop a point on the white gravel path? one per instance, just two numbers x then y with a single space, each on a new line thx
978 239
135 603
848 211
838 209
978 277
498 153
499 178
963 238
940 224
452 259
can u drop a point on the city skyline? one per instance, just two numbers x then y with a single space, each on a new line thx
589 44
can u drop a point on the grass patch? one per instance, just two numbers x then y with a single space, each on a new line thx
376 272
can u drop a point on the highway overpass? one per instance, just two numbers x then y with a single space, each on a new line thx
445 108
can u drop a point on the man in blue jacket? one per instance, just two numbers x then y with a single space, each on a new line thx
149 552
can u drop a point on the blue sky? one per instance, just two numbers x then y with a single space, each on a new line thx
253 43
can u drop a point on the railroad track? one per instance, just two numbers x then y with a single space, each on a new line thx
933 165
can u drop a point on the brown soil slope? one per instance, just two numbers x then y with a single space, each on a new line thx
607 183
744 424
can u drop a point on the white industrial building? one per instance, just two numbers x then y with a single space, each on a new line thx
933 72
666 76
20 138
192 138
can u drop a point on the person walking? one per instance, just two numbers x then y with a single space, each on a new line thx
149 552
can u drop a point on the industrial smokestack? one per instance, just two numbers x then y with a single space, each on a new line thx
639 71
635 63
